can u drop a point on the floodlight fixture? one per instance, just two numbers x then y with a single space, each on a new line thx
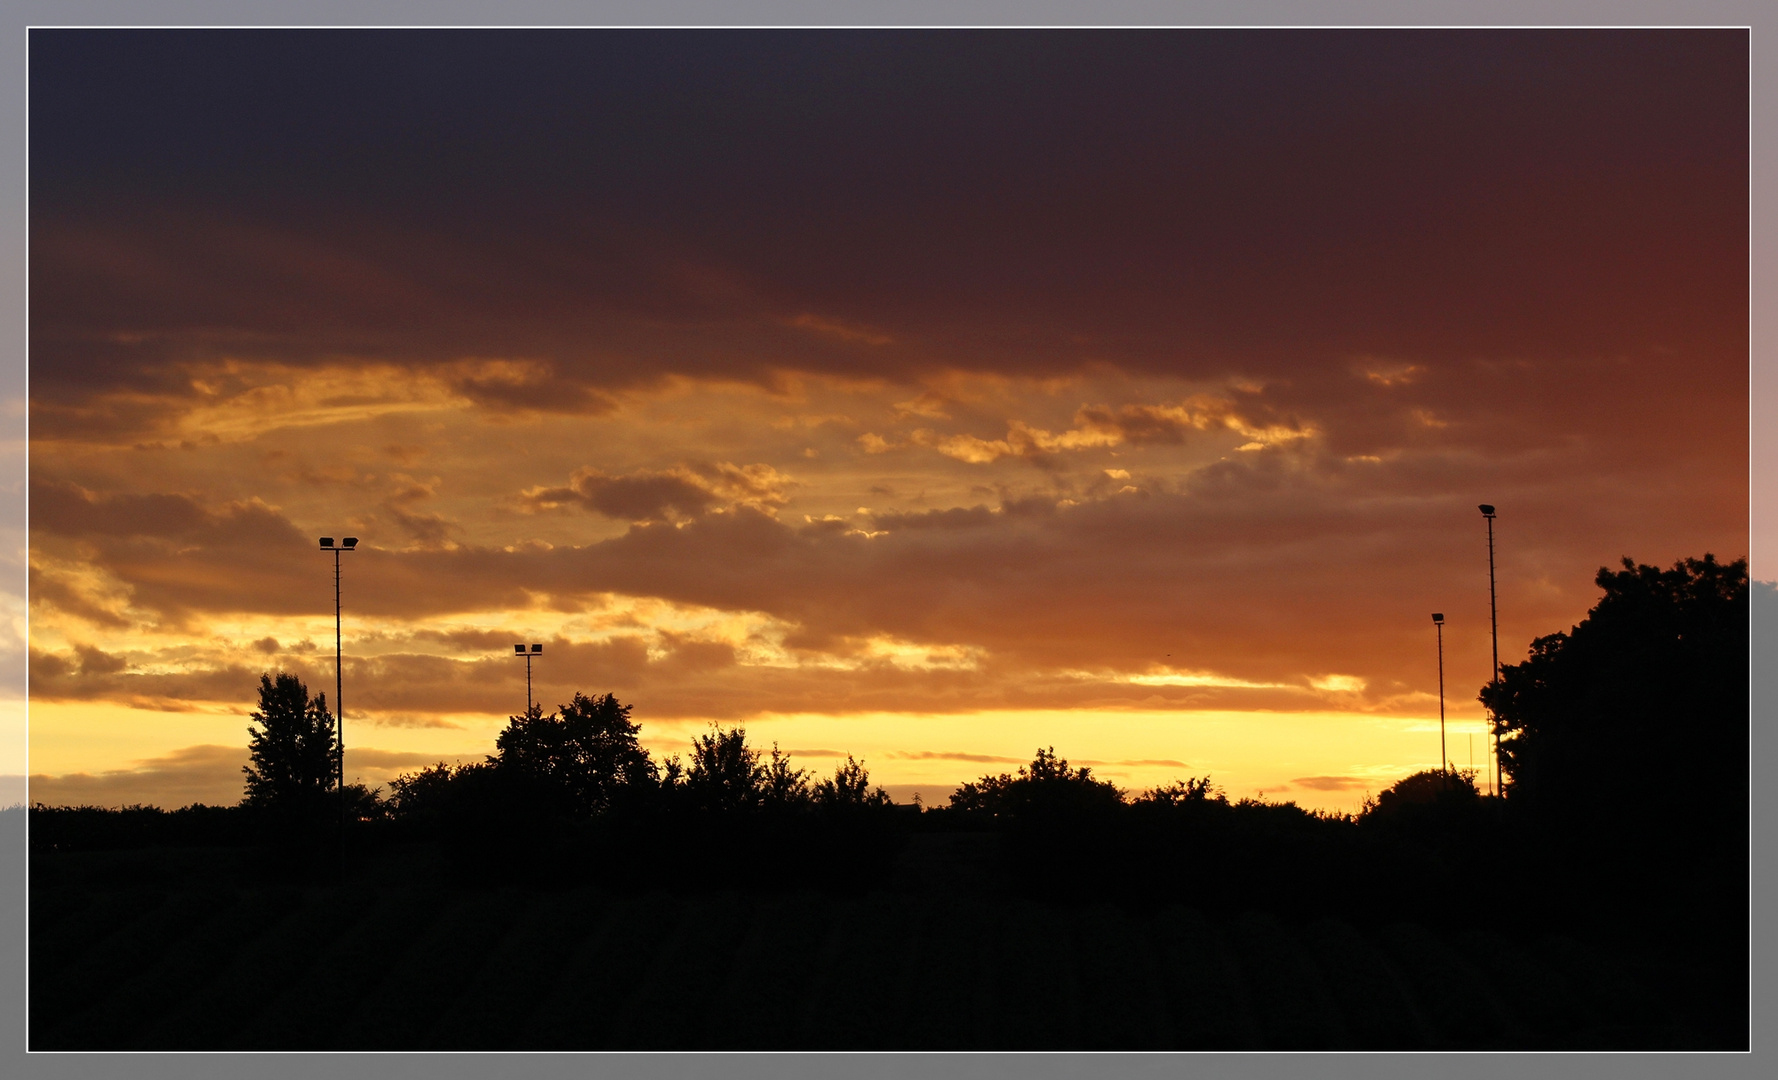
1438 618
350 542
327 541
1486 509
537 648
519 650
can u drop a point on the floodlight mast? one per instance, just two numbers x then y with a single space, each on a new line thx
1438 620
349 543
519 650
1494 627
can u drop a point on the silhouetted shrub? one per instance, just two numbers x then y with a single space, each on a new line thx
1429 803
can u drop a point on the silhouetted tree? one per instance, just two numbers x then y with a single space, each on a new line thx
724 773
291 749
1192 791
1655 677
587 752
783 787
1047 786
849 789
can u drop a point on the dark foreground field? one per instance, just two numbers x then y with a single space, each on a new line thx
166 949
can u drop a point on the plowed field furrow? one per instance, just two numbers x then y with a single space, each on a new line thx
864 980
220 1014
765 994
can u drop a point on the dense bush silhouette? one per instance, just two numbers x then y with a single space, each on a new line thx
1594 721
573 796
426 796
1441 820
1658 667
849 791
724 774
1046 788
584 757
1436 795
1624 743
96 828
784 787
1192 792
743 818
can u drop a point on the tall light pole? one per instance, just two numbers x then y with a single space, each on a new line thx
1494 626
350 543
519 650
1438 620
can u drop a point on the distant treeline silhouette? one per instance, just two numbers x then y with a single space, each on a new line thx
1623 746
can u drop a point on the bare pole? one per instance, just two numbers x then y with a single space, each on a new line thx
339 697
350 543
1494 626
1444 757
1494 629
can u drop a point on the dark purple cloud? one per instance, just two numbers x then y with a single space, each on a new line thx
614 206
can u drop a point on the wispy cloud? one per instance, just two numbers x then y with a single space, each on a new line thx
1332 783
946 755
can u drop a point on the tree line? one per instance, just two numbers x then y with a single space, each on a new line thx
581 761
1623 745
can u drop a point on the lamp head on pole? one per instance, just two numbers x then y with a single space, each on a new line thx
518 650
537 648
1486 509
1438 618
349 543
326 542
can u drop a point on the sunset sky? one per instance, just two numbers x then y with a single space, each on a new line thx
930 397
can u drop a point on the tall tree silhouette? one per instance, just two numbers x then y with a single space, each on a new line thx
587 752
291 748
1653 680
